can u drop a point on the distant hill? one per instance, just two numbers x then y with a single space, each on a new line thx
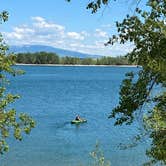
58 51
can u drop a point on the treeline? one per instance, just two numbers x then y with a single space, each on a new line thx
52 58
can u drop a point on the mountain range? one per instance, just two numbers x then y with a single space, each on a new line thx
58 51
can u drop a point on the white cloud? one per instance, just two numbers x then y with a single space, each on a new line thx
23 30
40 22
85 34
12 35
42 31
38 19
100 33
75 35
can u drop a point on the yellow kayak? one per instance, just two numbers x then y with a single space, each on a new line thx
78 121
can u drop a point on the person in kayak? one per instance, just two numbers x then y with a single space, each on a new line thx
78 118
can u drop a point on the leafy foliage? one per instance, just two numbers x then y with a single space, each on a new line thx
156 123
52 58
147 30
37 58
10 123
95 5
98 157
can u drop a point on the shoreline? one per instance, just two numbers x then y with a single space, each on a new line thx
68 65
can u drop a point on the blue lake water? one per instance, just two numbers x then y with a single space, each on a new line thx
53 96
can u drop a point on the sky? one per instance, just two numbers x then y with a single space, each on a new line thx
65 25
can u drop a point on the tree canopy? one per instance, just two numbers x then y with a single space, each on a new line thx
96 4
52 58
147 30
10 122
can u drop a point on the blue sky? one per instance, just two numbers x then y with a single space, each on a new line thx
64 25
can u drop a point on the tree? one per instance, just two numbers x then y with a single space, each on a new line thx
87 61
96 4
10 122
98 157
147 30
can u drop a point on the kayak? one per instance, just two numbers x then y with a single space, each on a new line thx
78 121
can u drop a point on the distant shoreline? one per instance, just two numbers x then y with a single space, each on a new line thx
68 65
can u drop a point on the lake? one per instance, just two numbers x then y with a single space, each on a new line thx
53 96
